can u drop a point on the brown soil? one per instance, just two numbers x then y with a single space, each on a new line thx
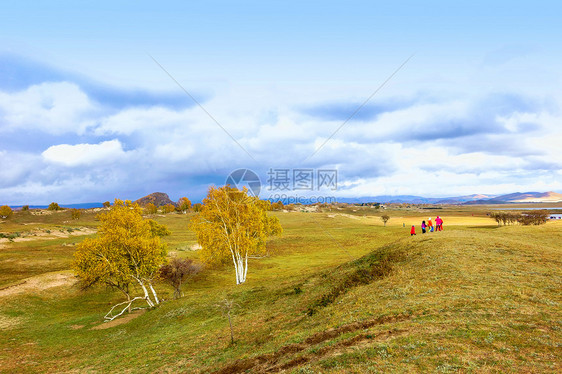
272 362
120 321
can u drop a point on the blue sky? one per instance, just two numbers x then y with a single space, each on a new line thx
87 115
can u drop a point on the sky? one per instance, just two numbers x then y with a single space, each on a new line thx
121 99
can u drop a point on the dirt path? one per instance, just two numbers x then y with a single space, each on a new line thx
282 359
120 321
39 283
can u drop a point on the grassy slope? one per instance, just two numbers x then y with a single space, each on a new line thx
473 297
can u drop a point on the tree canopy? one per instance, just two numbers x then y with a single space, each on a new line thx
233 226
54 206
184 204
5 211
150 208
127 251
177 272
385 218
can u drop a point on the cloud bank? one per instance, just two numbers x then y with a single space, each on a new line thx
68 139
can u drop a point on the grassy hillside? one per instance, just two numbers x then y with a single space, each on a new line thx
339 293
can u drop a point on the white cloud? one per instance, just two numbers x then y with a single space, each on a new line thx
143 120
394 153
54 108
85 154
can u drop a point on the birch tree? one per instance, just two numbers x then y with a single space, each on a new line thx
184 204
232 226
126 252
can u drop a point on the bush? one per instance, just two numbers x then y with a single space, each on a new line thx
11 236
5 212
25 208
505 217
158 229
177 272
168 208
75 213
534 217
54 206
107 204
150 208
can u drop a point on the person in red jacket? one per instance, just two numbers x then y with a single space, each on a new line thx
439 224
413 230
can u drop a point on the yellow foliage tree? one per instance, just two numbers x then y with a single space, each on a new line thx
54 206
5 211
184 204
127 251
150 208
75 213
233 225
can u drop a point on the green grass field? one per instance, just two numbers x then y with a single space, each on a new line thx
339 293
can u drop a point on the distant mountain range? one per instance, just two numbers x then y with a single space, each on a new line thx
522 197
160 198
412 199
518 197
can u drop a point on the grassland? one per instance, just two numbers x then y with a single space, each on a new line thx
339 293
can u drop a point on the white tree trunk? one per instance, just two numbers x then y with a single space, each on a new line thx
146 296
241 270
154 293
109 317
245 266
235 267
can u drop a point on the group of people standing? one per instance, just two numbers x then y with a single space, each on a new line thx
428 227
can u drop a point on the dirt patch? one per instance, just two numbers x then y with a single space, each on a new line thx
271 362
44 235
7 322
344 215
66 234
39 284
76 327
195 247
120 321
